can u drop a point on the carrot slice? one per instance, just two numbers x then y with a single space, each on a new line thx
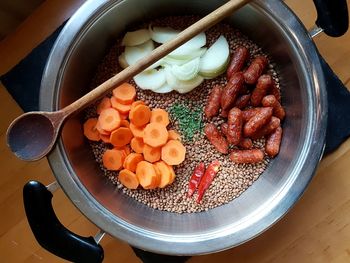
90 130
125 93
128 179
173 152
132 160
151 154
135 103
124 116
113 159
137 131
160 116
125 149
104 104
122 108
146 174
140 115
109 119
124 123
155 134
173 135
121 136
102 131
172 172
105 138
165 173
137 145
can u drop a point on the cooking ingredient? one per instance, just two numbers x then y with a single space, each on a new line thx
262 87
234 126
195 179
195 43
140 115
109 119
215 60
137 131
121 136
166 175
271 101
124 123
173 152
135 103
137 145
104 104
173 135
212 107
121 108
155 134
131 161
128 179
160 116
186 71
273 143
134 54
105 138
239 58
162 34
151 79
242 101
275 91
146 175
249 113
151 154
135 38
245 143
262 117
164 89
125 149
207 179
224 113
182 86
216 138
113 159
255 69
90 130
125 93
231 90
247 156
267 128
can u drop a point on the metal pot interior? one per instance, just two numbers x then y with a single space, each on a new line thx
80 48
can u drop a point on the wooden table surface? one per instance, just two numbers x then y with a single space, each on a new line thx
317 229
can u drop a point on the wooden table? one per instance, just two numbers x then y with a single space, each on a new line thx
317 229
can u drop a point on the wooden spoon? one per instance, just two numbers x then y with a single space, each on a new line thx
32 135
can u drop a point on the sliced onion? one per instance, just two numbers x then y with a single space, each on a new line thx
194 43
150 79
186 71
166 88
180 85
122 61
133 54
162 34
135 38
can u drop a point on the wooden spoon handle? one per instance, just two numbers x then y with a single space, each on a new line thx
198 27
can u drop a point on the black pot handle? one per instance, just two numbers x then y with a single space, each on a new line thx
50 233
332 16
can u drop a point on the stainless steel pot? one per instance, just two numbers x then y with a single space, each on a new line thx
73 60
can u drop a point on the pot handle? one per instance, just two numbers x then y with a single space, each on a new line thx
332 16
50 233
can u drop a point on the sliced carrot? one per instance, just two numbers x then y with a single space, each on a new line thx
105 138
132 160
165 173
173 135
125 93
172 172
151 154
173 152
124 116
128 179
137 131
122 108
102 131
146 174
158 177
137 145
155 134
113 159
125 149
160 116
121 136
135 103
104 104
140 115
109 119
124 123
90 130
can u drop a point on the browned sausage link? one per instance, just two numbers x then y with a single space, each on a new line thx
216 138
255 69
224 113
247 156
213 104
238 60
268 128
273 143
223 128
249 113
234 126
242 101
261 89
271 101
257 121
244 90
231 90
246 143
275 91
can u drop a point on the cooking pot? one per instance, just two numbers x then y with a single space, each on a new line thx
84 41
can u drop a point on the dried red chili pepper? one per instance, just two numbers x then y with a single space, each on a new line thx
195 179
207 178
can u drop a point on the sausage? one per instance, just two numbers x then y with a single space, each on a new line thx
242 101
275 91
231 90
249 113
223 128
238 60
262 117
245 143
247 156
234 126
271 101
261 89
216 138
213 104
255 69
244 90
224 113
273 142
267 128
